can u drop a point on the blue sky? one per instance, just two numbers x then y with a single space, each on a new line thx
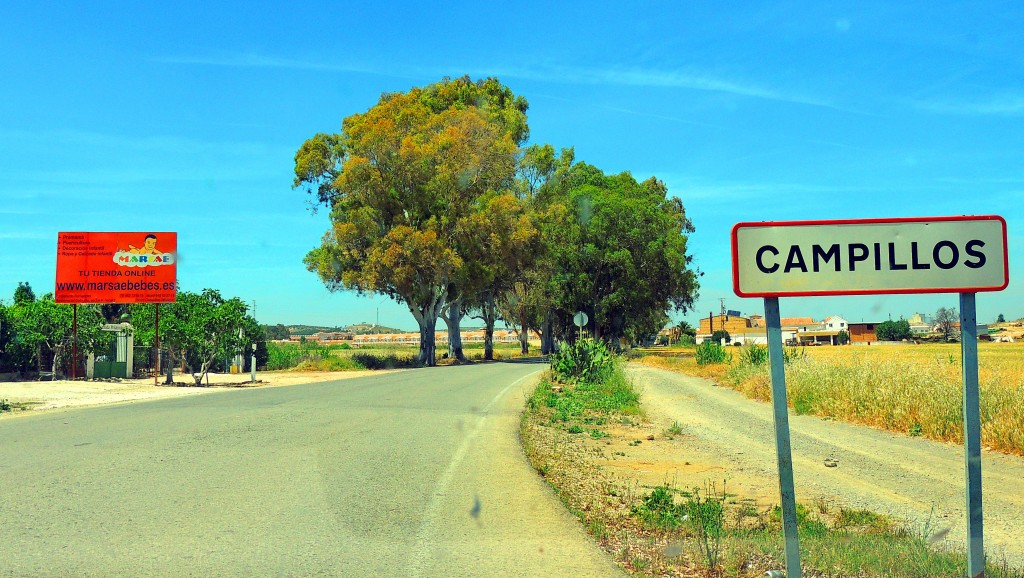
186 118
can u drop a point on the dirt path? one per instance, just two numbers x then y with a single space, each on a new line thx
908 478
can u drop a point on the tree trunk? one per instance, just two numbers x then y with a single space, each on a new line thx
56 358
489 311
204 368
426 316
453 319
547 339
170 366
524 333
428 350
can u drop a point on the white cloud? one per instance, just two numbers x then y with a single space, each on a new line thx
249 60
998 105
692 79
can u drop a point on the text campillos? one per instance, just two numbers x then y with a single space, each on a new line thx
889 256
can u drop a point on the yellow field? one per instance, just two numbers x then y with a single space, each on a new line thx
914 389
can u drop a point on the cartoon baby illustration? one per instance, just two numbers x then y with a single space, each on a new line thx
148 248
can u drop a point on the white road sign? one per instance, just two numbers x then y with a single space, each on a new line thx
870 256
580 319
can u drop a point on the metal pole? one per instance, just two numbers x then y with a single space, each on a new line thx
74 341
783 453
156 374
252 365
972 435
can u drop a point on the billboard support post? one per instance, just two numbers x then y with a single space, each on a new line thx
972 435
783 453
156 372
74 341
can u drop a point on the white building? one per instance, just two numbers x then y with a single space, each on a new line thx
836 323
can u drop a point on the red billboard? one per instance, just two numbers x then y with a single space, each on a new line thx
116 267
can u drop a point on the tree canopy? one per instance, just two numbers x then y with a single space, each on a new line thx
205 327
403 181
435 202
947 323
38 325
620 255
894 330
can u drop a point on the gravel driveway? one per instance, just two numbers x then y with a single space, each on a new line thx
913 479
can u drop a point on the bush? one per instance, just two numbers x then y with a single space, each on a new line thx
585 361
710 352
615 394
754 354
390 361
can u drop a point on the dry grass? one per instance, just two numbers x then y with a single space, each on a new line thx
913 389
622 516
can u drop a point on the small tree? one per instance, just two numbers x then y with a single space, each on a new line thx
43 323
1000 319
684 328
24 293
945 324
843 337
276 332
894 330
721 334
203 327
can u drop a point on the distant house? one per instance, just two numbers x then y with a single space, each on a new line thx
836 323
863 333
742 330
920 323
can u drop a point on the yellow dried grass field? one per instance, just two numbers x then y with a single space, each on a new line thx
913 389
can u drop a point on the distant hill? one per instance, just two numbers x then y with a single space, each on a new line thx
358 329
310 329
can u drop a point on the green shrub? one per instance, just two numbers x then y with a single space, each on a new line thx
706 514
793 354
585 361
720 335
390 361
616 394
709 352
754 354
660 510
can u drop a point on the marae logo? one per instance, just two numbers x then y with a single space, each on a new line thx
146 256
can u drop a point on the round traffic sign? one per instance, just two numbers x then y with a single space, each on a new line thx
580 319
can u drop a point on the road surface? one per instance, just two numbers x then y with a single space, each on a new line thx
417 473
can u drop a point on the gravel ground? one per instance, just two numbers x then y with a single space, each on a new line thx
912 479
36 396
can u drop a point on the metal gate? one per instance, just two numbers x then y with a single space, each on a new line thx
115 362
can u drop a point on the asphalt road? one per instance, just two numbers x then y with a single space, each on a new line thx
417 473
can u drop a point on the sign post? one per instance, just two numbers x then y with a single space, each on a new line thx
972 435
783 453
580 319
962 255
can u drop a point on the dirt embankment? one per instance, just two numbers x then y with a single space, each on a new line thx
728 436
